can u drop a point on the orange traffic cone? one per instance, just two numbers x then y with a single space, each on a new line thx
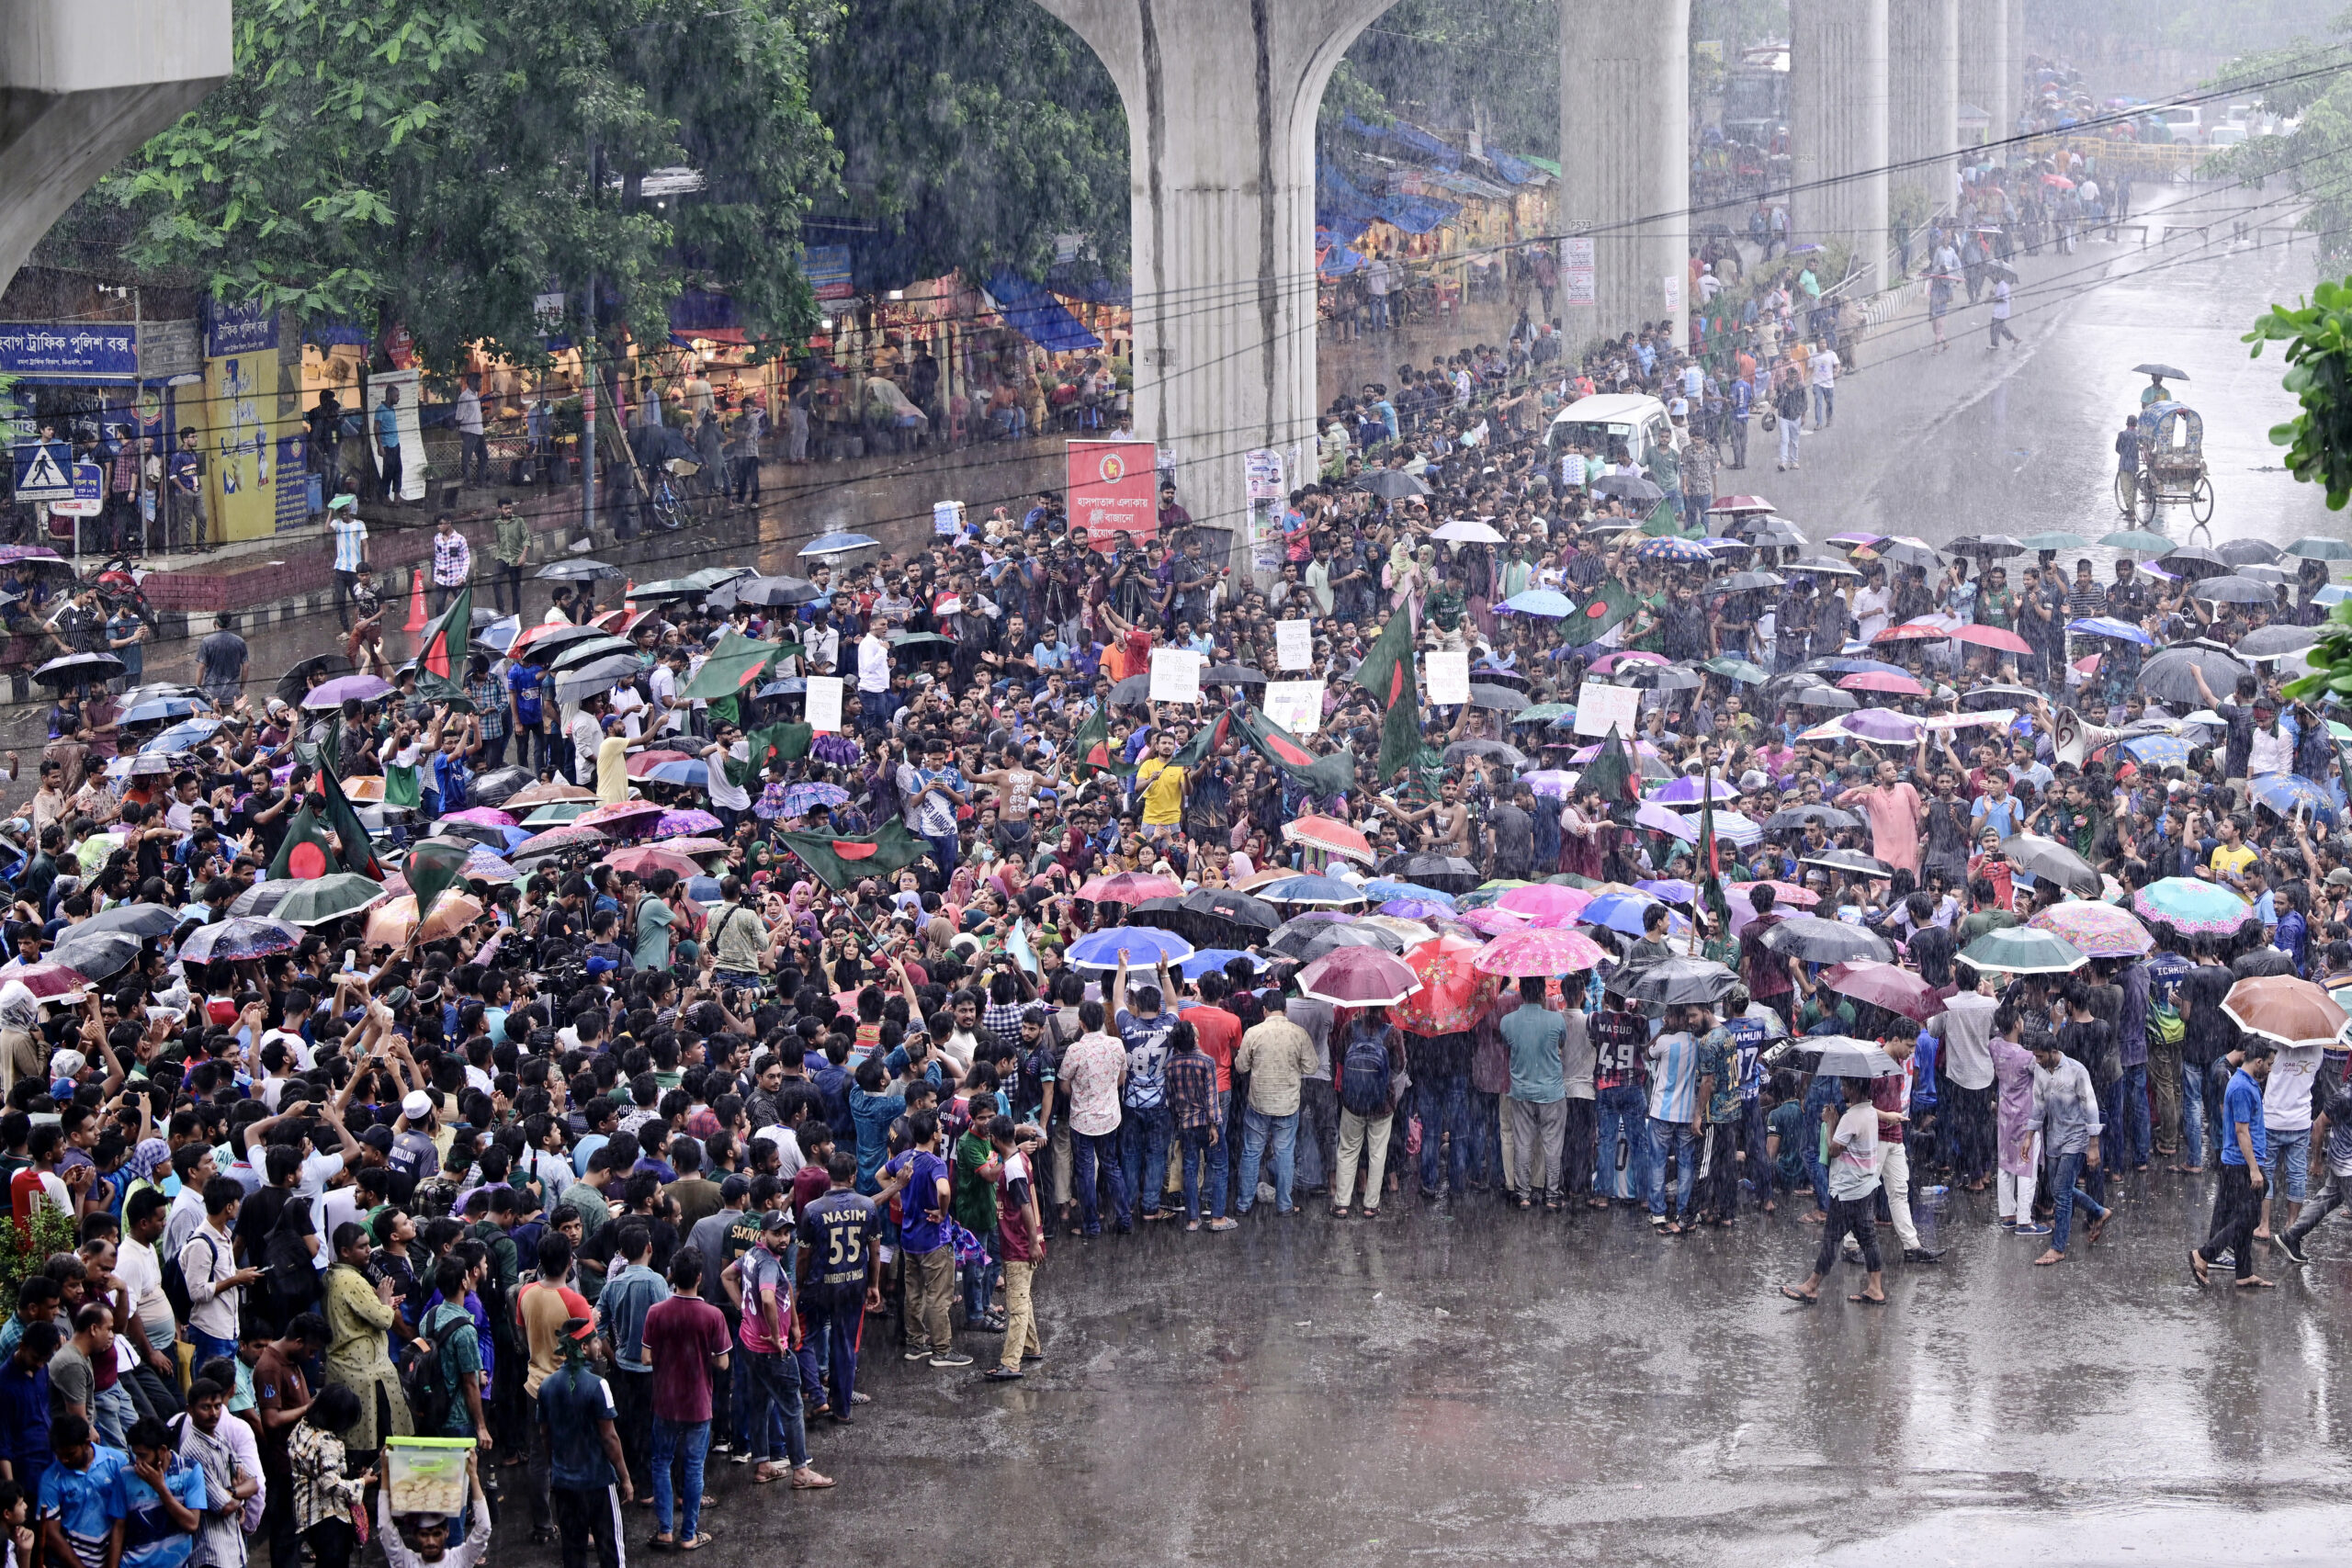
628 595
415 601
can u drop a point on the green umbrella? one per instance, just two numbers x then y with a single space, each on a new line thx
2023 950
2139 541
320 899
2059 540
1543 713
2313 548
1738 669
913 639
556 813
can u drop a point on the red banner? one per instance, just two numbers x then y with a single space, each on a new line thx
1114 490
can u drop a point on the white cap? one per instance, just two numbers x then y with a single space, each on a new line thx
417 1105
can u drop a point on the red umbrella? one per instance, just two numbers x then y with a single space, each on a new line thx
1451 993
1542 953
645 763
1129 887
643 858
1891 987
1880 680
44 980
1358 977
1329 835
1993 637
1914 631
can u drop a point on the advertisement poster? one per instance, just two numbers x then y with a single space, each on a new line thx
411 433
241 442
1297 705
1175 675
1600 705
1111 490
1577 272
1263 473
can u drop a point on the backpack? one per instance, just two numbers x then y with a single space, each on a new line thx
1363 1076
431 1391
175 1284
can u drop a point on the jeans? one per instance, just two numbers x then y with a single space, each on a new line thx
345 583
442 593
1143 1154
1673 1145
1576 1148
1623 1114
943 851
833 1314
388 462
1790 430
1444 1106
776 1386
2070 1197
2287 1162
506 587
1824 1094
2194 1148
979 1278
2331 1198
1283 1132
207 1349
669 1440
874 709
1824 406
2132 1132
1087 1152
116 1414
1319 1131
633 1405
1196 1157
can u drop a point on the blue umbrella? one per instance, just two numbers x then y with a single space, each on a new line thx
501 633
1383 888
1215 958
1618 912
183 736
703 889
800 798
837 543
1416 909
687 772
1858 667
1687 551
1673 890
1310 890
1146 945
1539 601
155 708
2335 593
2109 626
2284 792
2156 750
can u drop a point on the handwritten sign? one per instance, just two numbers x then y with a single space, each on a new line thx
1297 705
1447 673
1600 705
1175 675
824 703
1294 645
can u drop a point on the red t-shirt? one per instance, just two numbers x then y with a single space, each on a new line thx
808 1184
1219 1032
681 1336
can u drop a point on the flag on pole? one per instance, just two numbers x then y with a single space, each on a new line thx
841 860
433 867
1332 774
1711 870
1610 602
441 652
1388 674
358 852
1612 773
304 856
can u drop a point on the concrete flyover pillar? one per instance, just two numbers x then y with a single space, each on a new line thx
1923 97
1837 129
1625 156
82 84
1221 98
1988 68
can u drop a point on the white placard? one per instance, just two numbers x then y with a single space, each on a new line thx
1294 645
1446 673
1297 705
1175 675
1577 272
1600 705
824 703
946 518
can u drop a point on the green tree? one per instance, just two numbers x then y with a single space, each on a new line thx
1451 63
391 161
974 134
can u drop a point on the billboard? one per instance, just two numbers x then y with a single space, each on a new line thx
1113 490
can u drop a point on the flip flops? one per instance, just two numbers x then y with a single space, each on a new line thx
1799 1296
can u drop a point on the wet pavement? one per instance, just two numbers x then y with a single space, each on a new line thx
1480 1385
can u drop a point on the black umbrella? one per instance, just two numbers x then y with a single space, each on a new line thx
495 787
1509 755
1499 697
1307 938
2168 676
1673 982
134 919
1850 860
1133 689
543 647
1824 697
1627 487
1742 581
770 591
292 685
1816 941
579 569
1987 547
1656 677
97 955
1447 874
1996 696
78 670
2235 591
2048 858
2271 642
1165 914
2193 561
2164 371
1232 676
1794 817
1392 484
2248 552
1225 907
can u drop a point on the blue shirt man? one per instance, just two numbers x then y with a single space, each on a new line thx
388 426
2241 1107
576 1410
86 1499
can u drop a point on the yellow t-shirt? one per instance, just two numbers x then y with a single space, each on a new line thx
1163 793
2230 861
612 771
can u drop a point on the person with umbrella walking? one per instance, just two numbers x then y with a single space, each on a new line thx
1853 1181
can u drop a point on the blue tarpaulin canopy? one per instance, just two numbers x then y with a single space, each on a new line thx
1344 209
1415 141
1076 280
1032 311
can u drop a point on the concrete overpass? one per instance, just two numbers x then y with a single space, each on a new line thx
83 85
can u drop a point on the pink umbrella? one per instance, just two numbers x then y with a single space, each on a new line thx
481 815
1545 904
621 816
1994 638
1358 977
1880 680
1544 953
688 821
1494 920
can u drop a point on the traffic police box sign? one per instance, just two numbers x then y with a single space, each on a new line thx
1114 490
77 348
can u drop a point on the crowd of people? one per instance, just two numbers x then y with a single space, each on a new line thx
561 1043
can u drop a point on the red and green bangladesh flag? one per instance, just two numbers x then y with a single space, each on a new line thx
1610 602
1388 674
358 852
441 652
304 854
1333 774
433 867
1612 773
840 860
1203 744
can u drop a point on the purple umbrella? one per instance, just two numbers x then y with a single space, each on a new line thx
1414 909
335 693
1667 821
681 824
1690 789
1881 724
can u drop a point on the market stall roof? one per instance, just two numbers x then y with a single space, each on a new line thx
1086 281
1343 207
703 313
1032 311
1416 142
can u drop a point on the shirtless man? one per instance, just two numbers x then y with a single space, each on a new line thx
1444 827
1016 790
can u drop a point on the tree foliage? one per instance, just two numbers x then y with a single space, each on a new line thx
973 134
1449 63
385 161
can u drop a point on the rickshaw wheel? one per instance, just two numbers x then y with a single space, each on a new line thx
2149 499
2201 500
2127 487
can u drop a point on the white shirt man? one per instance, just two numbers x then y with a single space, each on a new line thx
873 662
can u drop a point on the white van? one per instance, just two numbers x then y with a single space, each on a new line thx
1631 420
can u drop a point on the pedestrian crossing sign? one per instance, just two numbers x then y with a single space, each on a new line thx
42 474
